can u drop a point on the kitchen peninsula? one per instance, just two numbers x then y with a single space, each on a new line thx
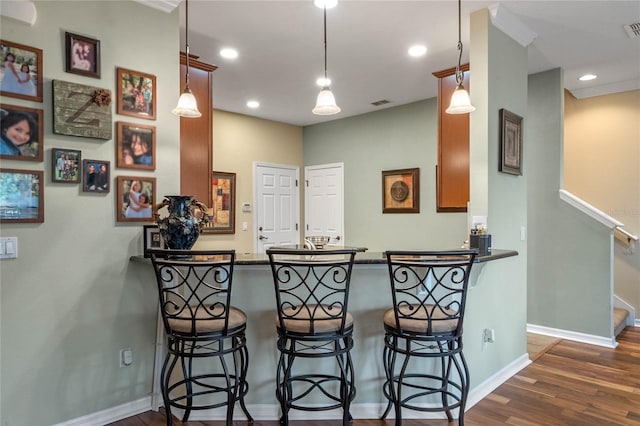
370 296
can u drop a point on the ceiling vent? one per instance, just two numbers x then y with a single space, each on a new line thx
633 30
380 102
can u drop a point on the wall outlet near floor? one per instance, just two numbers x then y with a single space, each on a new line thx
126 357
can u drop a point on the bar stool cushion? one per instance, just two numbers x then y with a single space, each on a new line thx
418 322
183 322
300 319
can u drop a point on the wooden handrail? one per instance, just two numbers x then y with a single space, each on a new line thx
625 236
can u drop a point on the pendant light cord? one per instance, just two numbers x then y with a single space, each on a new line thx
187 42
459 74
325 44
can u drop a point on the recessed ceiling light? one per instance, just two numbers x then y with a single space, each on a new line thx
417 50
588 77
325 3
253 104
229 53
323 82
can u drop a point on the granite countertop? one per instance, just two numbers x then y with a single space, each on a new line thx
362 257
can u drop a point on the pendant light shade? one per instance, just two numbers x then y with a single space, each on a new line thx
460 101
187 104
326 102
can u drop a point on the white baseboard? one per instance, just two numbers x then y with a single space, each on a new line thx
491 383
111 415
637 322
272 411
607 342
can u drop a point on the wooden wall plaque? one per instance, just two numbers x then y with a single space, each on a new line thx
80 110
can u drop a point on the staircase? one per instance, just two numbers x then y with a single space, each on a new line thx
619 320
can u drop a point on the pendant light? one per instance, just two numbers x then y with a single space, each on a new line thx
187 105
326 103
460 101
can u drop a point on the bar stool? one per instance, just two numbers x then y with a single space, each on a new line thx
429 291
312 322
194 288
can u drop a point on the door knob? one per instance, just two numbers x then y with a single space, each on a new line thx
262 237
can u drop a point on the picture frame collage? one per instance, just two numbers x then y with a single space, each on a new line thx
22 140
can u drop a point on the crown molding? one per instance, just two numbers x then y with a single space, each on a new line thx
163 5
509 24
20 10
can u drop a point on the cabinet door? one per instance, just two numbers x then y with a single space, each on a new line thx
196 134
452 172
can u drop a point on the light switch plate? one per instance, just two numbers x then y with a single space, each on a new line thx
8 248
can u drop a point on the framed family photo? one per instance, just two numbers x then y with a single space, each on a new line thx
136 146
223 202
96 176
22 133
135 198
65 165
510 160
82 55
136 94
21 196
21 68
401 191
152 239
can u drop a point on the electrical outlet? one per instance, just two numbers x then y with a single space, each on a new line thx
488 335
126 357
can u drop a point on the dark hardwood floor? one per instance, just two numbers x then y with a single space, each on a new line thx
571 384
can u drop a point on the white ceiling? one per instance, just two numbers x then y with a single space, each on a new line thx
281 49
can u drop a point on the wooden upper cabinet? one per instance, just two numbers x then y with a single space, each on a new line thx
452 172
196 134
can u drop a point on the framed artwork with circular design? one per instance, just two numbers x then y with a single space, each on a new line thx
401 191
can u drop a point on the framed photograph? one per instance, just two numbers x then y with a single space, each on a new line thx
81 110
82 55
136 94
136 146
401 191
223 200
21 196
96 176
21 68
510 160
152 239
22 133
65 165
135 198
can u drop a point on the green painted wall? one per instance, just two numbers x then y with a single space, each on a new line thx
569 253
71 301
394 138
498 80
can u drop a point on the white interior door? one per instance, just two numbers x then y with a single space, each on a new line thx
324 201
277 212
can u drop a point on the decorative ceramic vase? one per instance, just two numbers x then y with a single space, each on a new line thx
181 221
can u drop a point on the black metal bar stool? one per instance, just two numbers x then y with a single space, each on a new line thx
429 291
195 291
312 294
